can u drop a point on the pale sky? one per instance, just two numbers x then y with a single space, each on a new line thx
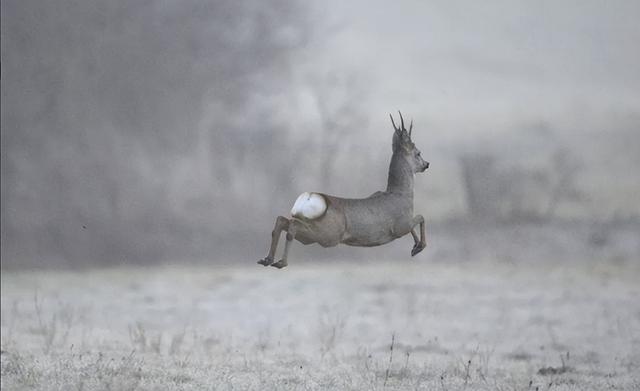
477 66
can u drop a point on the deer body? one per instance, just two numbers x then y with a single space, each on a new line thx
362 222
365 222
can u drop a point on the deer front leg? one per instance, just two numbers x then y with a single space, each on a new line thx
282 224
416 239
421 243
291 234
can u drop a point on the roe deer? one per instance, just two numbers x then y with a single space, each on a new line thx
378 219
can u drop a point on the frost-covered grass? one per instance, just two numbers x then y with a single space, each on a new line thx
453 326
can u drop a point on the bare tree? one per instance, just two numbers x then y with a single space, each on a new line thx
566 168
338 98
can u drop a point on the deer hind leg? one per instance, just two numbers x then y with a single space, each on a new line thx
282 224
419 243
291 234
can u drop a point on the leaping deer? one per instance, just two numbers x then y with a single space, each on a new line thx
378 219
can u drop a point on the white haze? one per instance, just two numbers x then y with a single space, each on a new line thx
464 68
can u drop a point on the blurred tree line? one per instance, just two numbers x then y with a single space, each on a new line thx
126 125
139 132
502 190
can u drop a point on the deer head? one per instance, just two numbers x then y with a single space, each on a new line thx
403 145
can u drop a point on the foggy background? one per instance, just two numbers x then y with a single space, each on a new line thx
150 132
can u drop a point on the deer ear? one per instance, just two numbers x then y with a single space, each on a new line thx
397 140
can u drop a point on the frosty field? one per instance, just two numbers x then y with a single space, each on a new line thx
453 326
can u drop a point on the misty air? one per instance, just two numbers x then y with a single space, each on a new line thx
211 195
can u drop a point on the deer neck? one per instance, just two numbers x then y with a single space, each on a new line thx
400 175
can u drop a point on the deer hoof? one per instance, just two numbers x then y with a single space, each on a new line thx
417 248
280 264
266 261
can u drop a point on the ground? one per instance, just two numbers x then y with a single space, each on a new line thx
395 324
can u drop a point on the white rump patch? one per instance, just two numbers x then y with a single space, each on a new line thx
309 206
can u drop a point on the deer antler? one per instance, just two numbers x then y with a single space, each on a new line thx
393 123
401 129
